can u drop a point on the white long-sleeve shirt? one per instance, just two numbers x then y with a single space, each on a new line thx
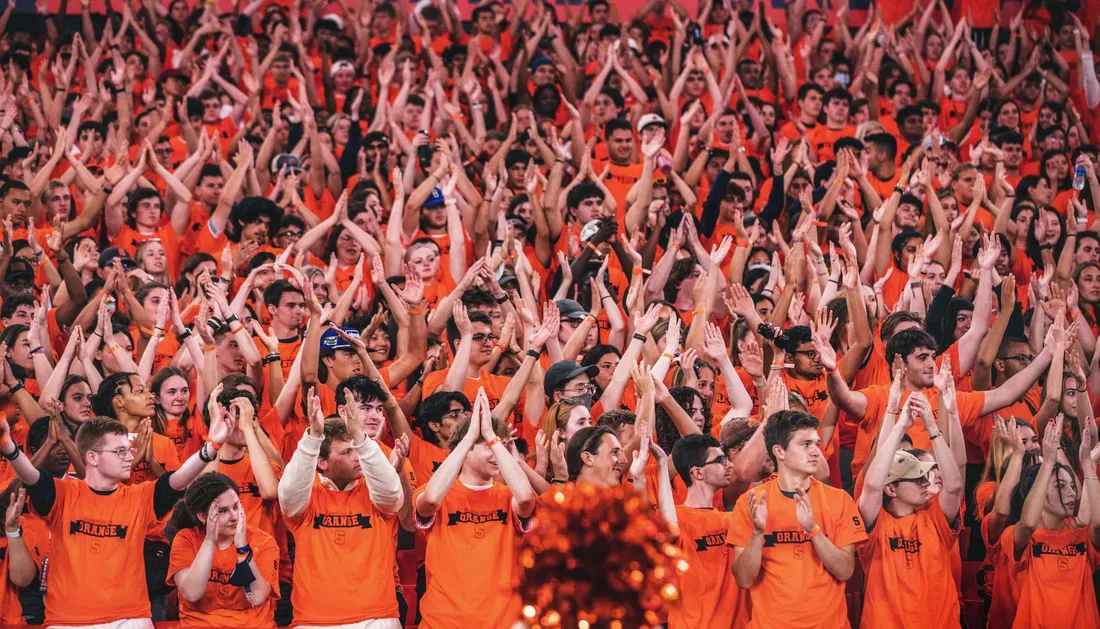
1092 84
296 485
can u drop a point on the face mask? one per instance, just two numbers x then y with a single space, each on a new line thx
585 400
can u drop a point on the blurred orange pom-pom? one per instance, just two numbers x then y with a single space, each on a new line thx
599 557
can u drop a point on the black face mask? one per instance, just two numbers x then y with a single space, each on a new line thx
585 400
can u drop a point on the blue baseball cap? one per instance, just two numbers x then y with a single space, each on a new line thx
331 341
435 199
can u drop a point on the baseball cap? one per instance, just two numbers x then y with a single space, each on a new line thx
435 199
570 309
110 253
375 136
650 119
331 341
540 61
173 74
563 371
19 271
737 431
905 466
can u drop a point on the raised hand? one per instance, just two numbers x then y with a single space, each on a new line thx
803 510
758 510
15 509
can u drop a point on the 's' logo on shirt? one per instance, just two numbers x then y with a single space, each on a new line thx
716 540
95 529
353 521
468 517
905 545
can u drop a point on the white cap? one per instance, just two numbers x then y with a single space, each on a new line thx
648 119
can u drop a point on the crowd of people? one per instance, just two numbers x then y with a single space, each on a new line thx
376 314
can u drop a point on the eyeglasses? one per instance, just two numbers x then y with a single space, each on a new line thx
808 353
923 481
484 338
721 459
119 452
581 388
1023 359
456 413
289 234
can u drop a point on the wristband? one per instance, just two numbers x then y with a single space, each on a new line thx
499 346
935 436
668 356
38 350
272 357
594 319
213 446
244 550
147 331
231 319
893 411
209 348
14 534
533 354
14 453
183 335
234 330
1089 478
742 243
492 442
675 246
502 300
636 272
814 532
592 247
639 337
203 457
112 347
17 387
417 309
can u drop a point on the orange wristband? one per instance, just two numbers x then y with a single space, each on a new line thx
418 309
742 243
636 272
492 442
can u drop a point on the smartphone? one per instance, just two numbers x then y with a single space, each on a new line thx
112 304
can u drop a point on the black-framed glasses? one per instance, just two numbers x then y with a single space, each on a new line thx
808 353
119 452
720 459
1023 359
484 338
923 481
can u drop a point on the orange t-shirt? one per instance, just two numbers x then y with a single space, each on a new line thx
97 545
425 458
197 433
474 527
222 604
791 572
259 513
37 539
494 390
970 405
1055 579
710 594
822 139
1003 587
908 578
345 553
129 239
